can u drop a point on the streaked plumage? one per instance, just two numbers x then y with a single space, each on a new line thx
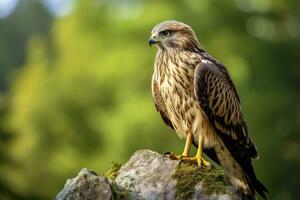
194 94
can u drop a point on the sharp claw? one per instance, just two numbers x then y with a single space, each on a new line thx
180 162
204 164
166 154
209 168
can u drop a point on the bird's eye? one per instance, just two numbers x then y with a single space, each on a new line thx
166 33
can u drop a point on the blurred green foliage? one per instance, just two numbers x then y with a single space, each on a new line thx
82 96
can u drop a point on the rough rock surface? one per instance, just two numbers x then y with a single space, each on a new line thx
145 176
148 176
87 185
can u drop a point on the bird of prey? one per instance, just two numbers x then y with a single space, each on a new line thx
196 97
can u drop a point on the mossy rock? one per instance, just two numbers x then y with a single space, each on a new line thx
188 176
111 174
148 176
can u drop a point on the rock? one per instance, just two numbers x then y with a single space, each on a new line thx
147 176
88 186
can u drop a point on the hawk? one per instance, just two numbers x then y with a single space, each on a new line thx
196 97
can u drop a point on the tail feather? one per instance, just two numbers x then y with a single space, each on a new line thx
260 189
252 180
257 186
240 173
234 172
247 197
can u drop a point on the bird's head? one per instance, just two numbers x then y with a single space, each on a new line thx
174 35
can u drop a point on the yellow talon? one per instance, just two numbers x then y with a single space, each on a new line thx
199 156
184 158
186 151
173 156
201 162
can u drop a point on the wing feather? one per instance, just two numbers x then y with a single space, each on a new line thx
218 97
159 103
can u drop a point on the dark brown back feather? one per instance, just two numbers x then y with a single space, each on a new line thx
215 92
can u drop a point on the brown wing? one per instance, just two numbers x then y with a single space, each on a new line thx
159 103
218 98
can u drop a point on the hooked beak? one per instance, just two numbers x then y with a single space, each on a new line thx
151 41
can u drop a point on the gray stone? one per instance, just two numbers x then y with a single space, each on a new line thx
86 186
145 176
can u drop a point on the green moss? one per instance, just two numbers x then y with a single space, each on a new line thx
111 174
119 193
187 176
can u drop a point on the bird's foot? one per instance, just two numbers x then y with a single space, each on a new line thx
200 161
173 156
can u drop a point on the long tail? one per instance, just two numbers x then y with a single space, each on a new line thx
253 181
241 175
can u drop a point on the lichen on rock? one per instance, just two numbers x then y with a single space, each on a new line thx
111 174
188 176
148 176
86 185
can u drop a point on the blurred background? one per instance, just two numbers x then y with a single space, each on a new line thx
75 85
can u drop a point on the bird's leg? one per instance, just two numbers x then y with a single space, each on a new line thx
198 159
186 150
188 143
199 156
